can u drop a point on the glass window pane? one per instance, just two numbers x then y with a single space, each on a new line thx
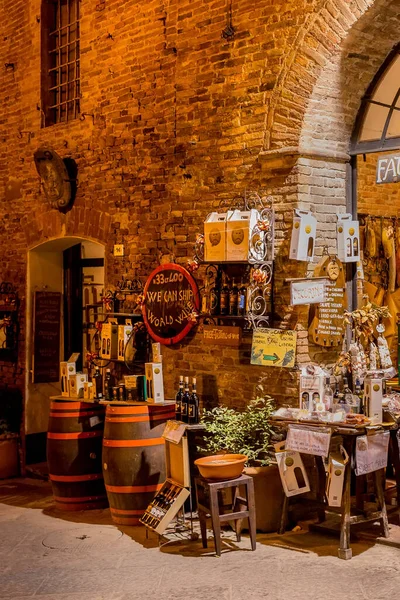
374 123
389 84
394 125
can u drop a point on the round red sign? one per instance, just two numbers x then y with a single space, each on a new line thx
171 296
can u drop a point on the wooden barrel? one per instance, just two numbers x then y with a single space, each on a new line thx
74 440
133 458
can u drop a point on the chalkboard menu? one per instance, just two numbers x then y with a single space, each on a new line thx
46 347
170 297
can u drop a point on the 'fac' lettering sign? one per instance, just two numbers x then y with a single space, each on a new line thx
170 297
388 169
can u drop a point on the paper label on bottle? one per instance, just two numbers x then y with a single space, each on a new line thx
95 421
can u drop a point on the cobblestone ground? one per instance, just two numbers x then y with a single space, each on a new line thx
49 555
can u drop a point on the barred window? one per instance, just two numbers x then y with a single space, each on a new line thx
60 61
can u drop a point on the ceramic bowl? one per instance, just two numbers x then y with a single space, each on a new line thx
221 466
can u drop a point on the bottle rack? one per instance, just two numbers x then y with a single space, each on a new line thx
165 505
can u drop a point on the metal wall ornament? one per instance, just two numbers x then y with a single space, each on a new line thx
55 178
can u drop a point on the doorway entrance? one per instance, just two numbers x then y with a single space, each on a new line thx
67 274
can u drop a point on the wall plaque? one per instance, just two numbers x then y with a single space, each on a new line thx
308 291
327 326
46 347
222 335
171 296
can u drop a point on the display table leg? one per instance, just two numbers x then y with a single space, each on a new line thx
344 550
321 486
381 501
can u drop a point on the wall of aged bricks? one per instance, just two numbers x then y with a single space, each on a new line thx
175 119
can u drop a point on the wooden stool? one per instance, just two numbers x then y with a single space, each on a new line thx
239 509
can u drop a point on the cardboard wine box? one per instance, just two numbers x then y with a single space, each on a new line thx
154 382
67 369
215 237
88 390
76 385
335 480
302 243
124 333
373 396
239 225
348 238
109 339
291 470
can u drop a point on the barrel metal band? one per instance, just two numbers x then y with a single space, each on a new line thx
133 443
133 489
138 419
73 436
81 413
76 478
70 405
79 499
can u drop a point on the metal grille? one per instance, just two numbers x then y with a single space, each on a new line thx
64 68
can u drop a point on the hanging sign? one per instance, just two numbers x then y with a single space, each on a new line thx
171 297
273 348
327 319
309 440
308 291
372 452
388 169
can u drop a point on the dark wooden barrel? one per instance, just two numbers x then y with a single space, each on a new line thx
134 458
74 444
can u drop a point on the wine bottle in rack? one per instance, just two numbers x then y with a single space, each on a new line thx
233 299
193 407
178 400
224 299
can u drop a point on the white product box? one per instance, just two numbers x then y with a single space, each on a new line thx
335 480
67 369
348 238
311 388
88 390
124 333
76 385
302 243
109 339
373 394
291 470
156 352
215 237
239 225
154 382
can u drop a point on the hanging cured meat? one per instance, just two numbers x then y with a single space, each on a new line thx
390 255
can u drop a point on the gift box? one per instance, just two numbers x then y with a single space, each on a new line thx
239 227
67 370
215 237
124 333
291 470
154 382
109 340
304 230
373 395
335 480
348 238
88 390
76 385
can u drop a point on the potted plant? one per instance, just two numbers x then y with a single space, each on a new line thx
250 432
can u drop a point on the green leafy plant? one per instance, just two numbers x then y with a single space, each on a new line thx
249 432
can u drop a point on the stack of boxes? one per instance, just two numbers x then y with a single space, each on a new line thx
72 383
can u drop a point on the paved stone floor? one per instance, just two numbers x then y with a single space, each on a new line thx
49 555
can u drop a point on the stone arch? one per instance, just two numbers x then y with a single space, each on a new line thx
325 74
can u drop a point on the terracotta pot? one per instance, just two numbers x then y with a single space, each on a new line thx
268 497
221 466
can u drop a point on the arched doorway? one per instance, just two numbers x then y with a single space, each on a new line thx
68 272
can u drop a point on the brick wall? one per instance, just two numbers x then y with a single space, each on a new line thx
174 120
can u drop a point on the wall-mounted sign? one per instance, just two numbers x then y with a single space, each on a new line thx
273 348
46 331
308 291
222 335
170 298
388 169
327 326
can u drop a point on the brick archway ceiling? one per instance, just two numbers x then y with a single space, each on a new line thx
332 61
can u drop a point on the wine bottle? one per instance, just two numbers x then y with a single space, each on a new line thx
233 299
224 299
328 395
242 300
185 402
359 392
193 406
213 302
98 383
205 300
178 400
108 385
